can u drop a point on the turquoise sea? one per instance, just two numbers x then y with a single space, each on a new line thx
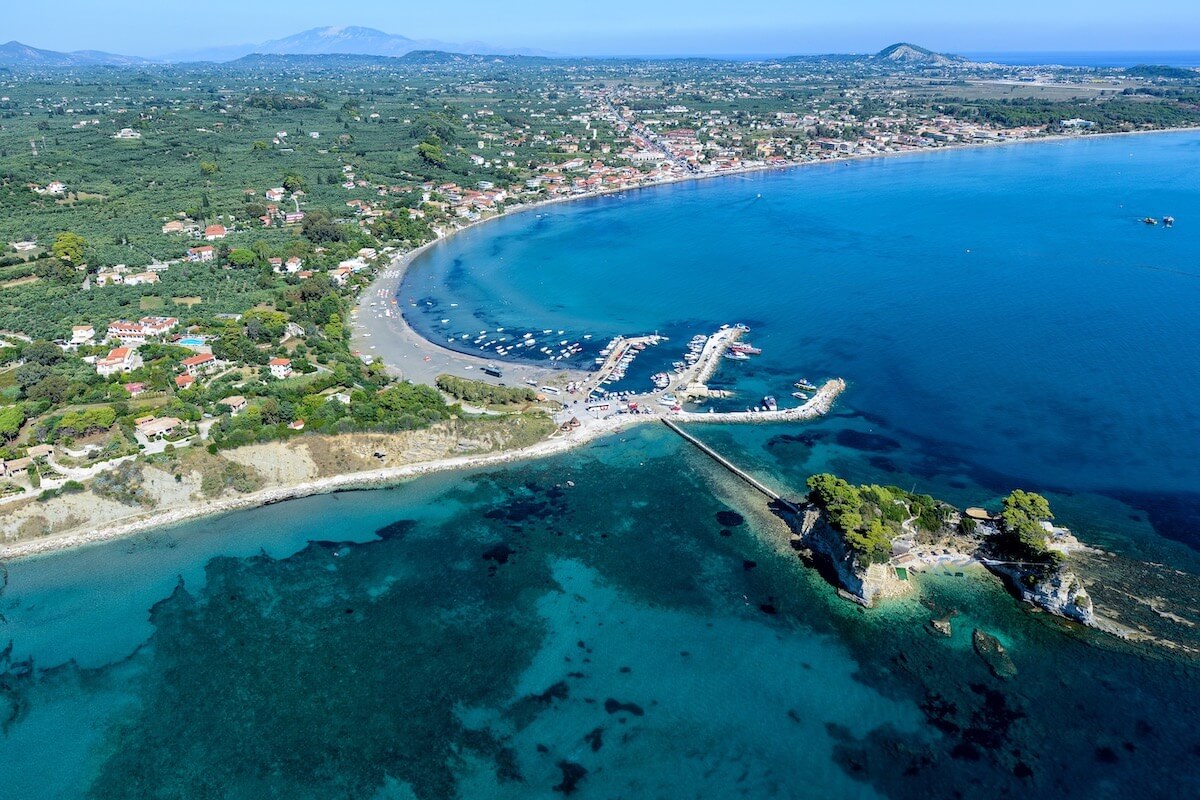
620 621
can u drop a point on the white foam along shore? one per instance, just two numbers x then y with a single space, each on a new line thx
587 431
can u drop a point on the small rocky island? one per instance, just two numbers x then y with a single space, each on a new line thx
866 539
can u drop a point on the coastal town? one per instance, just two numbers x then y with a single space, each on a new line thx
236 299
545 401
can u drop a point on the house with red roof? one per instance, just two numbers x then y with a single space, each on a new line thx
280 367
199 364
118 360
204 252
126 332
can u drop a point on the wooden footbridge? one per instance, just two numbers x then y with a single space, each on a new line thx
774 496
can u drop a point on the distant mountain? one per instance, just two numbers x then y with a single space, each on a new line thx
348 40
348 60
905 53
15 54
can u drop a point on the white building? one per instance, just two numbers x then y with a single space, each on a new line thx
118 360
281 367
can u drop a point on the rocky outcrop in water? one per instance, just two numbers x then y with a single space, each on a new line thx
993 654
864 584
1059 591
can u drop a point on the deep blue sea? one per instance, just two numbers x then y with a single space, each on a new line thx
621 621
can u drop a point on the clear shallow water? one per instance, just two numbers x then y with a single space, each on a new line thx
498 634
1004 307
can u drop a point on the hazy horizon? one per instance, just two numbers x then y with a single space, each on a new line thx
628 28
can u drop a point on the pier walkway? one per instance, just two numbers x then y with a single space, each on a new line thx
621 347
729 465
815 406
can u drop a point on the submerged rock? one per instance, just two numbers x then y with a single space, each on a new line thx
616 706
941 627
993 654
572 774
730 519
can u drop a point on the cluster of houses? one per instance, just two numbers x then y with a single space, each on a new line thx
127 335
121 275
17 467
210 233
274 214
710 140
292 266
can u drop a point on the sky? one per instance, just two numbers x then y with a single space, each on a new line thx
624 27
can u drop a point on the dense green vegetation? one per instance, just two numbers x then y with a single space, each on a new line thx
1162 71
870 517
1022 536
1116 114
480 392
402 406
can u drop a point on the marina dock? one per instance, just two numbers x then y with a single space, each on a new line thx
621 351
687 384
695 378
817 405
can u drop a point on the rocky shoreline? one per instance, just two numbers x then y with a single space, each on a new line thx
1047 583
